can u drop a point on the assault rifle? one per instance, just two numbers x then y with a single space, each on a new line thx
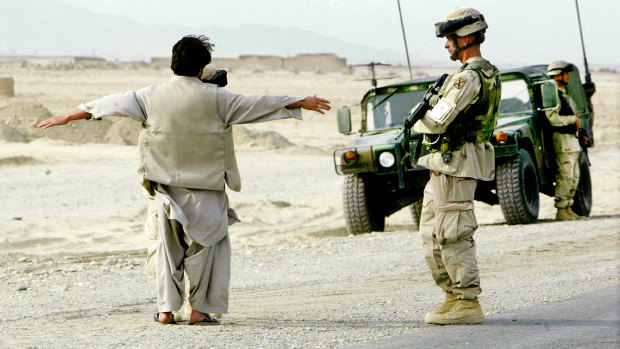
219 79
582 136
416 114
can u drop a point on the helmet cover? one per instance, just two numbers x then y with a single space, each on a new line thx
461 22
558 67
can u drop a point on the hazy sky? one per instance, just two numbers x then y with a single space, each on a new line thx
520 32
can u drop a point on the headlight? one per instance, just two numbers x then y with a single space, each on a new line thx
386 159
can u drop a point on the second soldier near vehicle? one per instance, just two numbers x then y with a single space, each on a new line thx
456 136
564 124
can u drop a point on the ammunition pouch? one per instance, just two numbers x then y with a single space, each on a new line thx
568 129
443 143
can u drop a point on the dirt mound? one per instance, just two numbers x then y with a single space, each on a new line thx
10 134
19 119
17 108
263 140
18 161
123 131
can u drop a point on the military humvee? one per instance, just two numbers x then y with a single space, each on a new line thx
380 180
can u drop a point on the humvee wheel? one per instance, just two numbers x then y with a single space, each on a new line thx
583 196
517 189
416 213
360 216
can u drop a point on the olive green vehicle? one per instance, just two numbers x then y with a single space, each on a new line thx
380 178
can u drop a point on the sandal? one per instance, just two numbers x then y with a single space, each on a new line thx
206 321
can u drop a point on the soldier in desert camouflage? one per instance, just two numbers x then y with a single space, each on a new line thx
564 124
456 136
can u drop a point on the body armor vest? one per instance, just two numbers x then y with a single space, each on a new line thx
566 105
475 124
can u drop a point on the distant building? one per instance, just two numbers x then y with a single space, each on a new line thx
323 62
250 62
37 60
67 62
161 62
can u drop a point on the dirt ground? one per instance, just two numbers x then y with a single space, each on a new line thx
72 243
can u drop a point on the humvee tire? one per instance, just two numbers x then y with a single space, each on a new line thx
582 204
360 216
416 213
517 189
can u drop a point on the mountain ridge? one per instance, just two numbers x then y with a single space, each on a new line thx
117 37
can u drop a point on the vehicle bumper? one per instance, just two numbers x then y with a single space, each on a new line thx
507 150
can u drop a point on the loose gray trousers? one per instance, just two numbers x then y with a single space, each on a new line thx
207 269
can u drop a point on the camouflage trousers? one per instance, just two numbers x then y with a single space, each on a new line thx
566 179
447 226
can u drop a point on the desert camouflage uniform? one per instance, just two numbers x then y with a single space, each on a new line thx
447 222
567 148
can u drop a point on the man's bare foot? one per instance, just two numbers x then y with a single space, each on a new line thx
196 316
165 317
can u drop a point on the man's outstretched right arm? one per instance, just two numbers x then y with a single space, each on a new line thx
77 114
131 104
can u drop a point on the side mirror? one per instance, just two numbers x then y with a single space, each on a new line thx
549 95
344 120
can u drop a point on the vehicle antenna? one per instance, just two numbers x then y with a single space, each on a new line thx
585 60
373 78
405 38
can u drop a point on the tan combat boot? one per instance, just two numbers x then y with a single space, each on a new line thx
574 215
448 303
466 311
563 215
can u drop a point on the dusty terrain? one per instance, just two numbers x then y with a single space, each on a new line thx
72 246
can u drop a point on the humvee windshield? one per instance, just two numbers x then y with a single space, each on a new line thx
389 110
385 111
515 98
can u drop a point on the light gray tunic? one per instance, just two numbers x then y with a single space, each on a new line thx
204 214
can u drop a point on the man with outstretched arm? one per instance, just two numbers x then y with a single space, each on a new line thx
186 158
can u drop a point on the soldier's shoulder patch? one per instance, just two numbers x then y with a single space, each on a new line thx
459 82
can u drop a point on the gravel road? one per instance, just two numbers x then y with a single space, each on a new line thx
313 287
328 292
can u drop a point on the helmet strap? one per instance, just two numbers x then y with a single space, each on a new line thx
455 43
478 39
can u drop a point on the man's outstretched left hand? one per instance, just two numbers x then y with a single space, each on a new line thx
313 103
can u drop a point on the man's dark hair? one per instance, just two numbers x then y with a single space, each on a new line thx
190 54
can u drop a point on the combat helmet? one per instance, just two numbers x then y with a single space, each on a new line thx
462 22
558 67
